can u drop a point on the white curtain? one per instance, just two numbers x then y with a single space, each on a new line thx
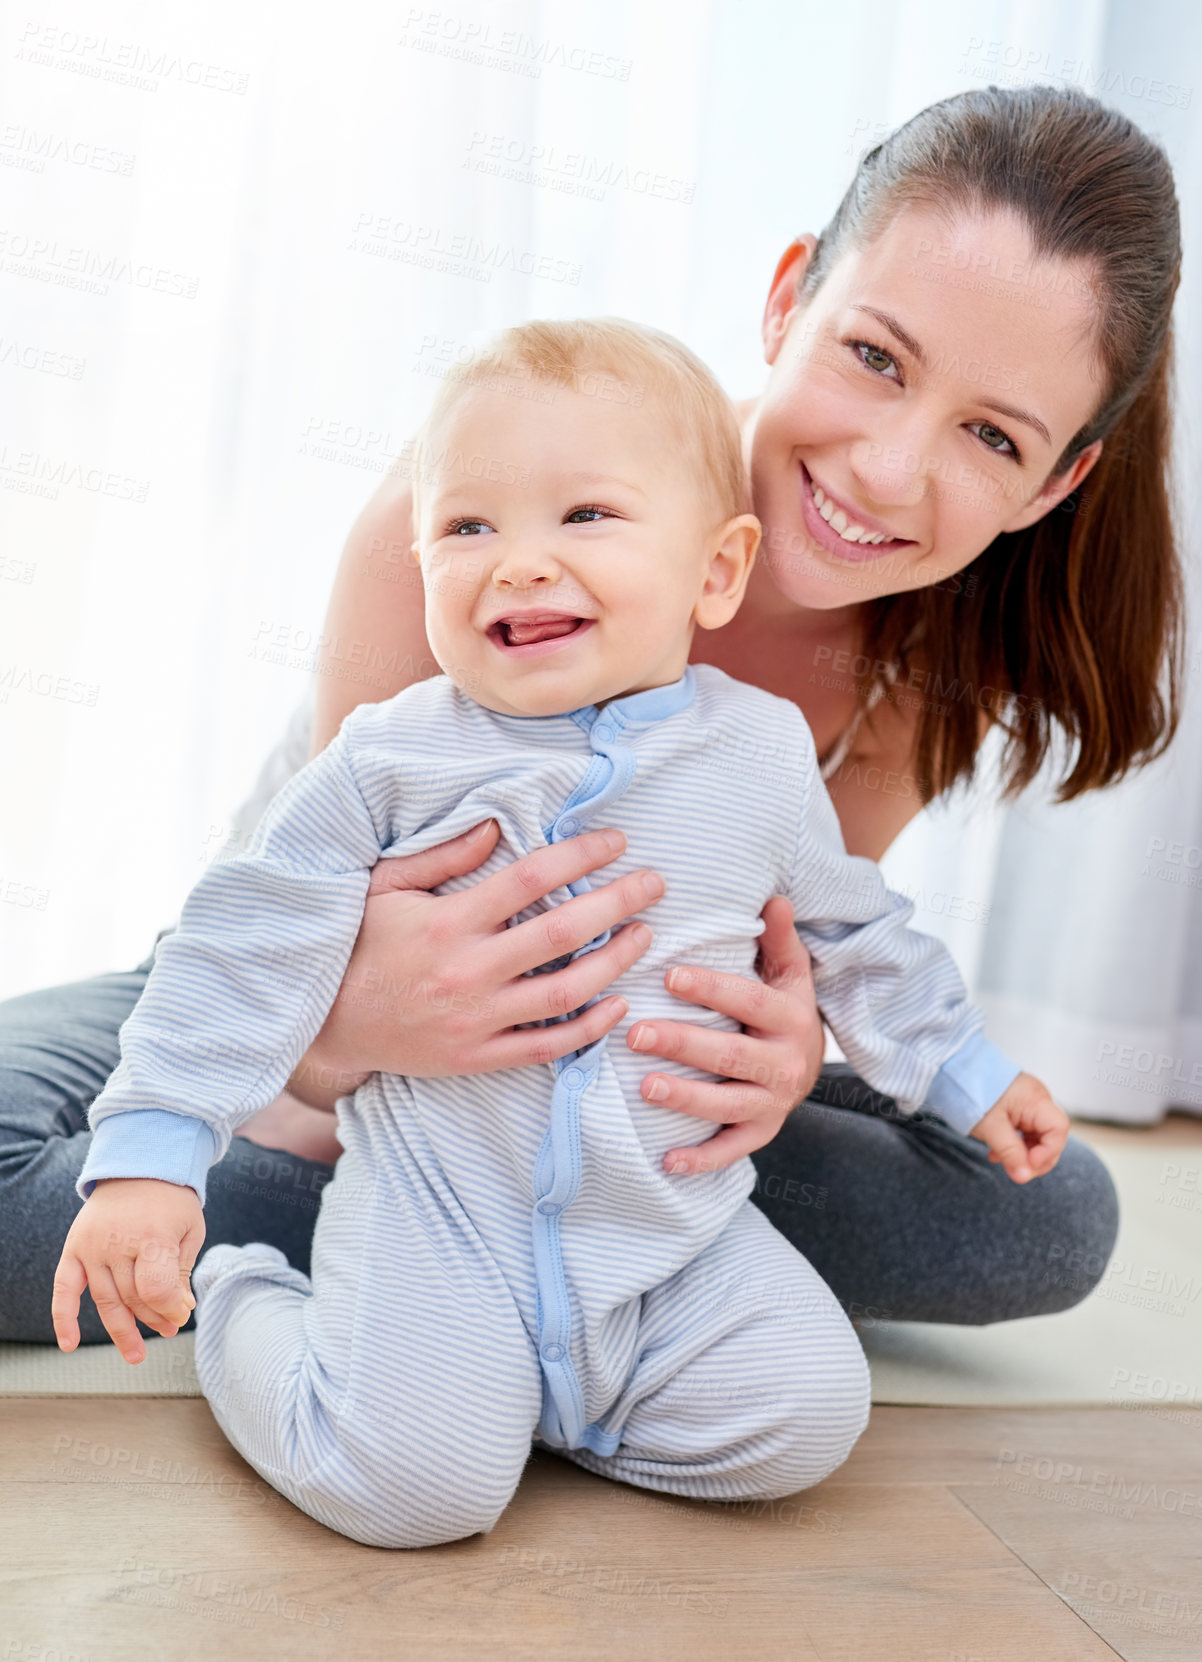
238 246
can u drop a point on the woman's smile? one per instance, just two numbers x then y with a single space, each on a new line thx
841 530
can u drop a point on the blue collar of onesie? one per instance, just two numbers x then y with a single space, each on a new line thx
652 704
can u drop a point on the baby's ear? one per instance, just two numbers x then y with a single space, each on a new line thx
738 541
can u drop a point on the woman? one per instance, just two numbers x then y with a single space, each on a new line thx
959 460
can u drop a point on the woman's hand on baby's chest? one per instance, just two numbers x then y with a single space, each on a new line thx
437 984
763 1072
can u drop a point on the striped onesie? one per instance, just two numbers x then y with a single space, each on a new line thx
501 1258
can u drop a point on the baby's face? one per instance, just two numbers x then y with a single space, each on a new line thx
564 547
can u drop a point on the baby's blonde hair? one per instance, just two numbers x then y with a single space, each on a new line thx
613 359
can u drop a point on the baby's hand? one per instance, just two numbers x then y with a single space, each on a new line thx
1024 1130
134 1244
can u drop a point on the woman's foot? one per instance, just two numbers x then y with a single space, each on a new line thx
291 1125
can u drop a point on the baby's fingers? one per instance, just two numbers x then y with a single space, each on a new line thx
118 1321
1049 1148
1009 1147
158 1283
70 1279
125 1278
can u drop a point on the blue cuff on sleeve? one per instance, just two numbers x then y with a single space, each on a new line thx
970 1082
149 1142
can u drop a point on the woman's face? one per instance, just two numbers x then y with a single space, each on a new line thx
917 403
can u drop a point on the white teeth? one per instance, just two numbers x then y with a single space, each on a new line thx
838 520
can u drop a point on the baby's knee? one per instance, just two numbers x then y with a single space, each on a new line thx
402 1518
399 1497
812 1397
825 1401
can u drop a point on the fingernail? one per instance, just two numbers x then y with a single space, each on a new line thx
613 840
657 1090
642 1037
677 1166
679 980
652 885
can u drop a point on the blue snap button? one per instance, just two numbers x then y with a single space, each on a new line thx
568 827
549 1208
572 1077
603 733
552 1353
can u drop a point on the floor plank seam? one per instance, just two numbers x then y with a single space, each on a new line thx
1018 1557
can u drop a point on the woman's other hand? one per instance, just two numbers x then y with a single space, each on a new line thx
766 1070
437 985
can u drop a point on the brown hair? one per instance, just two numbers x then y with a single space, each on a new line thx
1074 626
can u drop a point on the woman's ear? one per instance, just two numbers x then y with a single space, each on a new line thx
1056 489
782 296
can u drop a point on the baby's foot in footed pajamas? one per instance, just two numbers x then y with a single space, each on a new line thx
249 1303
240 1292
219 1260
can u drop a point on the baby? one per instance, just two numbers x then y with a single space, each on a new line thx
503 1258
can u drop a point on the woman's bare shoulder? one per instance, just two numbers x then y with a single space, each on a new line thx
388 512
374 635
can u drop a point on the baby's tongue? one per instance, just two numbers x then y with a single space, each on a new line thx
522 633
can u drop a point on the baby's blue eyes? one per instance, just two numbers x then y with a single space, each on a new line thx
471 527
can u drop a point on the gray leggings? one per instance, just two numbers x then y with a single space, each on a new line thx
903 1218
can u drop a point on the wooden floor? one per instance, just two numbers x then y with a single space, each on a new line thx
133 1530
